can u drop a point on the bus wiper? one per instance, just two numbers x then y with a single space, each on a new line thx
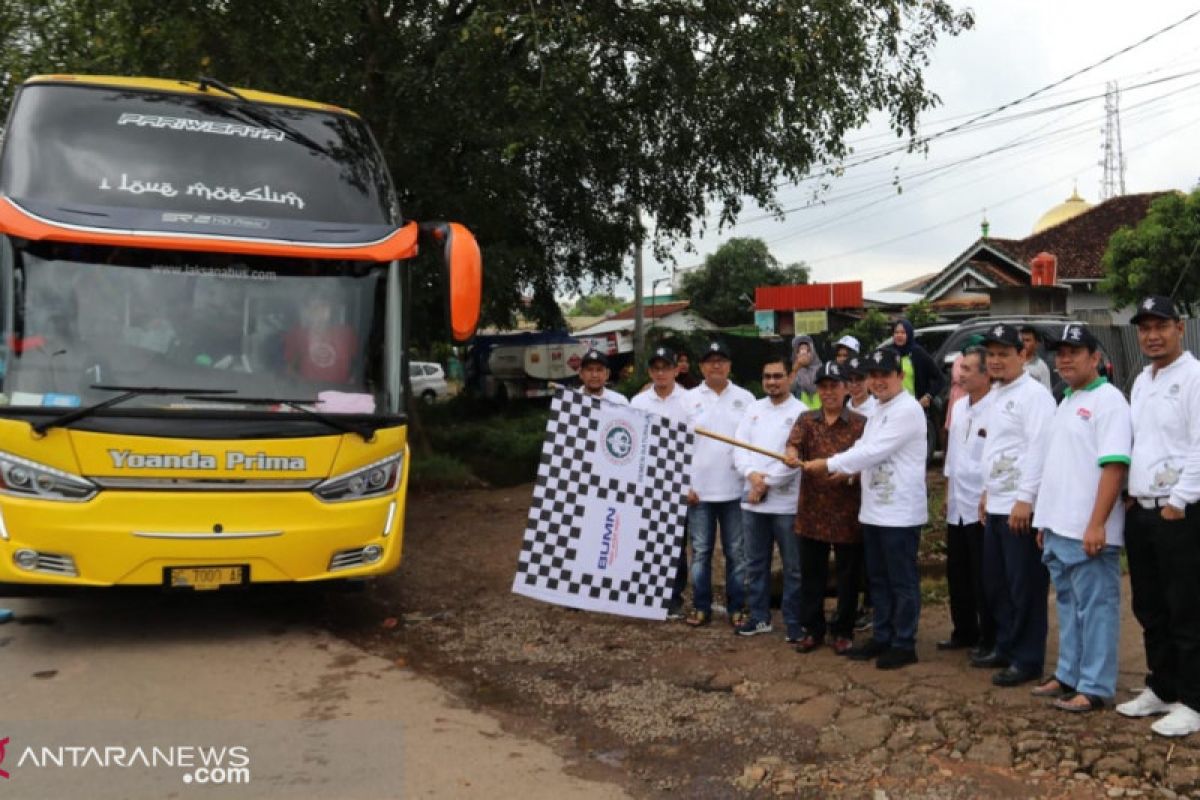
366 432
127 393
263 116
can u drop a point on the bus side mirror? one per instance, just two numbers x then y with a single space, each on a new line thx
463 266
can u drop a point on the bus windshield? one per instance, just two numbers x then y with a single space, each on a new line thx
130 159
80 318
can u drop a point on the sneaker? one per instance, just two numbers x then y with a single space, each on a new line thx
867 651
842 645
751 628
896 657
675 613
1146 704
863 622
1180 722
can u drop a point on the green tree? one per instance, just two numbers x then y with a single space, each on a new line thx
872 329
551 129
722 289
593 305
921 313
1159 256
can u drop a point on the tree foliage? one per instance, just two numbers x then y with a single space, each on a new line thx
1159 256
873 328
551 129
593 305
722 289
921 313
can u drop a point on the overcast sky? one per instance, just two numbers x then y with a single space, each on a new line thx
865 231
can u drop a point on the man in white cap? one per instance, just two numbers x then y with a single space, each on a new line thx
593 373
1162 523
716 405
667 398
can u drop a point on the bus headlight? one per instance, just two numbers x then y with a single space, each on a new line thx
24 478
373 480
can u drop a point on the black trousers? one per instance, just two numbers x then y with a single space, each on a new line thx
969 613
814 575
1017 584
1164 565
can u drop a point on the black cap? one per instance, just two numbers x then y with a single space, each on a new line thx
831 371
661 353
885 359
1076 335
594 356
715 348
1156 305
1002 333
855 367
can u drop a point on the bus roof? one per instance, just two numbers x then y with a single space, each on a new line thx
187 87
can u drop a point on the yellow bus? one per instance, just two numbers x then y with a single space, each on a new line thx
202 299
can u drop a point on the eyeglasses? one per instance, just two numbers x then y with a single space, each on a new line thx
774 376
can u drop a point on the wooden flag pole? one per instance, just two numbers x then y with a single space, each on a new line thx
739 443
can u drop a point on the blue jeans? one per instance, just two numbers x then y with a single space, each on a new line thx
703 519
1016 583
760 534
895 583
1089 613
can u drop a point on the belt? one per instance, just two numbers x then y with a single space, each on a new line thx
1151 503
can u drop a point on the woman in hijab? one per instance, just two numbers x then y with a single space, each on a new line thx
922 378
805 364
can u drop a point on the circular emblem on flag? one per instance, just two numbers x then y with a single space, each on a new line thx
618 442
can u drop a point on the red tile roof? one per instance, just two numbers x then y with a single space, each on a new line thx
656 311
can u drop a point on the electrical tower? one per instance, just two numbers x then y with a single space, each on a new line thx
1112 183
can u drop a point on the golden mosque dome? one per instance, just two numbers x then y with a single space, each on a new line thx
1073 207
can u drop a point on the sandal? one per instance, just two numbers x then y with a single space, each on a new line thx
698 619
1070 703
1053 688
739 618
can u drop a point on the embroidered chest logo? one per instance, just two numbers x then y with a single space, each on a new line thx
1084 414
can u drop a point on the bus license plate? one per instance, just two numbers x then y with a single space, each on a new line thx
206 578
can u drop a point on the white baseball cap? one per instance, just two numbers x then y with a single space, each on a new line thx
848 341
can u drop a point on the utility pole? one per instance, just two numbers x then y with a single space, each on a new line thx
1112 182
639 311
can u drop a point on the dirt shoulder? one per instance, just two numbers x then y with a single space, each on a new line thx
662 708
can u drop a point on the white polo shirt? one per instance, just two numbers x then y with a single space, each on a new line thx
1166 432
866 409
964 459
1016 426
1091 428
673 406
891 457
714 477
768 425
609 395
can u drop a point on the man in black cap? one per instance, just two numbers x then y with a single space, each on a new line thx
715 494
1162 523
890 457
593 373
667 398
1014 578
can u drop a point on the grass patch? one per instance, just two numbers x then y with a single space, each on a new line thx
438 472
500 445
934 591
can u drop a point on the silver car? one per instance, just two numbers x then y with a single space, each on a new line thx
428 381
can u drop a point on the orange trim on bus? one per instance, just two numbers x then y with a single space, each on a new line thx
15 221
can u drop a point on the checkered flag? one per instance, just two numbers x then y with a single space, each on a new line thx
605 527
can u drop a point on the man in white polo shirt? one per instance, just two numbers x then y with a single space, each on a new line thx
1014 578
769 503
667 398
1081 524
891 459
593 374
715 495
1162 524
